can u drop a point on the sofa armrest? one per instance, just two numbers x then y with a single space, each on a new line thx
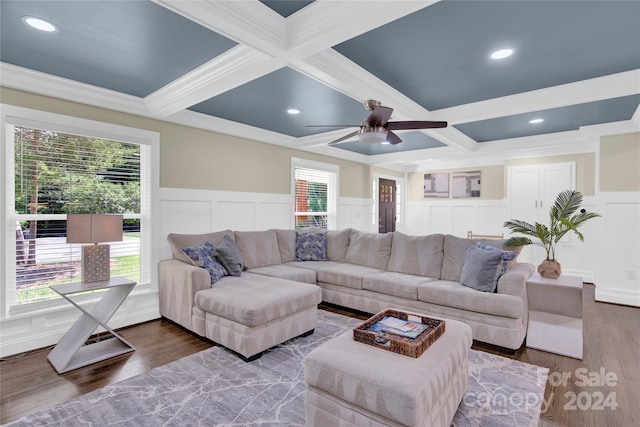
178 284
514 280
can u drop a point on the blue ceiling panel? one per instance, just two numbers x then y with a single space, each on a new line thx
439 56
410 141
555 120
264 103
134 47
286 7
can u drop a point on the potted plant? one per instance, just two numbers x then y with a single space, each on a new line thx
563 218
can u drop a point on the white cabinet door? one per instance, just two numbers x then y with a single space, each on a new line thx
532 190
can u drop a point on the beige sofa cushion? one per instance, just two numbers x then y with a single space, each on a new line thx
337 244
421 255
455 250
259 248
369 249
286 245
396 284
180 241
348 275
452 294
287 271
254 300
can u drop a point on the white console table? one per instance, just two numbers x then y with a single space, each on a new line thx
555 315
71 352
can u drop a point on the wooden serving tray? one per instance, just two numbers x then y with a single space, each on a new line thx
412 347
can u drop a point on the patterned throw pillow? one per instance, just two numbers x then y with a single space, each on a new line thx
480 269
202 256
230 256
311 246
508 257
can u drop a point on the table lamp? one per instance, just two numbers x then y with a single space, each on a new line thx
96 229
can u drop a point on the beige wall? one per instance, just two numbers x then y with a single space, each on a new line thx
620 162
198 159
494 181
491 182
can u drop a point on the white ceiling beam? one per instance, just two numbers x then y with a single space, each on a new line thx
247 22
324 24
233 68
596 89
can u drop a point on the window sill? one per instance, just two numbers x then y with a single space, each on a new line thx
21 311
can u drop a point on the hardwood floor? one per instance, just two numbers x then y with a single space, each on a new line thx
600 390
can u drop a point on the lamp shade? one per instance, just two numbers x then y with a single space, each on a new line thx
93 228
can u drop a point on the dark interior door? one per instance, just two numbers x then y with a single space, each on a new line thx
386 205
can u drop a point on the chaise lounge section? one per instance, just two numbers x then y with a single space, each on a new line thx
275 298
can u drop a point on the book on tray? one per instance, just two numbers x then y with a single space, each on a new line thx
395 326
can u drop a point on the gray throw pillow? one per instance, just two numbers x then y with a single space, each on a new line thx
480 269
311 246
202 256
230 257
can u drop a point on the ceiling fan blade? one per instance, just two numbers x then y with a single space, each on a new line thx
417 124
379 116
392 138
344 137
331 126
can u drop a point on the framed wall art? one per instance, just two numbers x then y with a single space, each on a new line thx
436 185
466 184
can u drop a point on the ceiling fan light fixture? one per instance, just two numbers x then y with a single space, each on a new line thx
372 137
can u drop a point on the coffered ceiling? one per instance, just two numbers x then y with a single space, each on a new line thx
236 67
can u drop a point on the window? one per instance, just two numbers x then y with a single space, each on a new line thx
314 189
53 170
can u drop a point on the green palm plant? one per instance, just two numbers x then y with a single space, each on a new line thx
563 219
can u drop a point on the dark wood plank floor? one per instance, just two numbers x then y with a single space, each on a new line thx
601 390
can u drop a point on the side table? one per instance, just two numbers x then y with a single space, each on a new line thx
71 352
555 315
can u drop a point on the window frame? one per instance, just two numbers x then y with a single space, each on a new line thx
149 141
332 188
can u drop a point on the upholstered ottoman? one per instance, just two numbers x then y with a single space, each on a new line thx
350 383
252 313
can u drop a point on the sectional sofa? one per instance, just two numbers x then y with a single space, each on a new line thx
285 274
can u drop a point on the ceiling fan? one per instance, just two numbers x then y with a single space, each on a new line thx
376 128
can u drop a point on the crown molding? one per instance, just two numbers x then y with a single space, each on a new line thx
40 83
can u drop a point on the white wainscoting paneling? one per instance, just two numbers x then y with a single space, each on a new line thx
355 213
618 255
202 211
457 217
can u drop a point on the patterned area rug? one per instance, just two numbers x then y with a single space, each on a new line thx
215 387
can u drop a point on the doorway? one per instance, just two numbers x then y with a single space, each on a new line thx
386 205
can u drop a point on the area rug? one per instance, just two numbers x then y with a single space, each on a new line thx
216 388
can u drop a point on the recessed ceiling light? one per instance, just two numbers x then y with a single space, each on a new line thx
534 121
502 53
39 24
386 143
293 111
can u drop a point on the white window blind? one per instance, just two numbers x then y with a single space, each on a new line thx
314 197
59 173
